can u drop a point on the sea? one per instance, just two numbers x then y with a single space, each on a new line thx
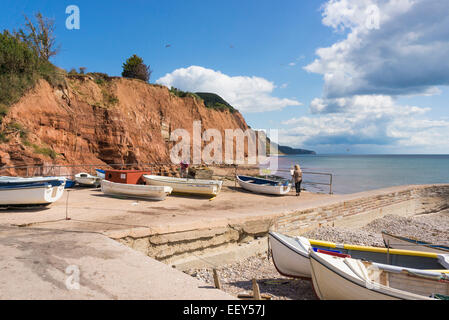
356 173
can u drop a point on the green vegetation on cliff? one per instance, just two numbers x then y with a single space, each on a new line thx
214 101
183 94
23 62
289 150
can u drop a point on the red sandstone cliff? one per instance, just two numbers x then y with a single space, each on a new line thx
113 121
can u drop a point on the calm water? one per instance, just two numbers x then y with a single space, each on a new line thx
355 173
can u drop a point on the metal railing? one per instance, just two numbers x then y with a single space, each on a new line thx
320 183
308 182
71 170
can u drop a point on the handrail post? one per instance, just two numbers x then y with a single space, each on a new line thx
388 252
235 175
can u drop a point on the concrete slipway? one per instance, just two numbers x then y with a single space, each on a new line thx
44 264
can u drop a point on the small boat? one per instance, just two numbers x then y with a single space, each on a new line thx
337 278
186 185
23 180
86 180
29 192
259 185
135 190
399 242
291 255
101 173
70 183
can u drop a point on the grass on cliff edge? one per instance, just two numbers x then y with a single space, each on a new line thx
211 100
20 69
214 101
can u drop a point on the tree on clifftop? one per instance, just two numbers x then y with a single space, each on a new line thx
135 68
40 36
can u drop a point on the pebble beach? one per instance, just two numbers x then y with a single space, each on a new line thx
237 278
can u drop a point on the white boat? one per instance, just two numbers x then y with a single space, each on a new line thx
399 242
291 255
28 193
21 180
101 173
186 185
87 180
336 278
265 186
135 190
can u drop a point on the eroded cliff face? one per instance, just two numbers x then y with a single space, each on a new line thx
102 122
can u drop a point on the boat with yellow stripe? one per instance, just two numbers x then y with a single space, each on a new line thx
395 241
291 255
336 278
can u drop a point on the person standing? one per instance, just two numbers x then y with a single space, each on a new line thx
297 178
184 169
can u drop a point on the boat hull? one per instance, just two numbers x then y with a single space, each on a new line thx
37 194
188 186
70 184
86 180
135 191
290 261
336 278
101 173
265 189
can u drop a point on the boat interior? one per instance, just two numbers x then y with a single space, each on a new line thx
427 284
260 181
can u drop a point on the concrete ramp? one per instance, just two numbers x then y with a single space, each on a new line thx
53 264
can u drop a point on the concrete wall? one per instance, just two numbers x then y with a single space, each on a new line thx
362 210
214 246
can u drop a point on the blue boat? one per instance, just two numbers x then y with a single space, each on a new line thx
70 183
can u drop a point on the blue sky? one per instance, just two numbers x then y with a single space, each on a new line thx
367 95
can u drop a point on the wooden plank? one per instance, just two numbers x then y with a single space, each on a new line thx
216 279
256 290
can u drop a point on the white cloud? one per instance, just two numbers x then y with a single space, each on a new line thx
368 121
247 94
362 104
407 54
390 48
